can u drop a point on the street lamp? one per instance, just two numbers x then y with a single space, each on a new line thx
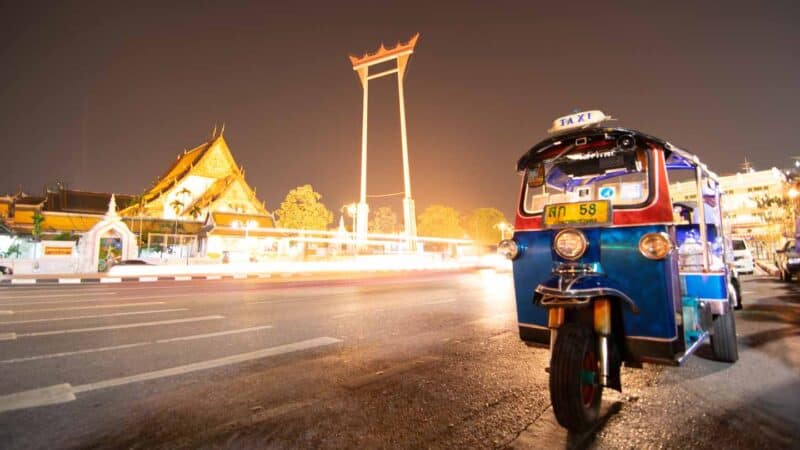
503 227
793 193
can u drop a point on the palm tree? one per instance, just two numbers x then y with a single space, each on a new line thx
138 202
177 206
195 211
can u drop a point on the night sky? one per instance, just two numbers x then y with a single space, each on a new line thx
104 96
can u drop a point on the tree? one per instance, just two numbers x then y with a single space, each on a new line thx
138 201
440 221
195 211
64 236
481 224
302 209
384 221
13 251
36 233
779 211
177 206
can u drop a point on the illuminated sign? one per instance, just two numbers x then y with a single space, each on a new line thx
592 155
57 251
578 120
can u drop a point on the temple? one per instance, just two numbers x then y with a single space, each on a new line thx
202 203
203 180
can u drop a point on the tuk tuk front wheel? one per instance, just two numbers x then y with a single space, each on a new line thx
723 340
575 389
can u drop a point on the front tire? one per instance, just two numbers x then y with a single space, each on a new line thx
723 340
575 389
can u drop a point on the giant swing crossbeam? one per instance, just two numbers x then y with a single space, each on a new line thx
361 64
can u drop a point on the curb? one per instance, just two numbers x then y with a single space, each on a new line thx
152 279
143 279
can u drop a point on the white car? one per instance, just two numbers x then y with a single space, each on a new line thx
742 256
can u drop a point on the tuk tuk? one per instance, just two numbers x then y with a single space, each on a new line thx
610 266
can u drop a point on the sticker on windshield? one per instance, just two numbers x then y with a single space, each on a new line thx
607 192
631 191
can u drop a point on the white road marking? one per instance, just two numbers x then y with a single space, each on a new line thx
208 335
204 365
76 352
213 277
111 280
23 281
97 316
62 393
69 281
89 300
49 289
77 308
6 313
183 278
116 298
8 336
148 279
119 327
84 294
367 311
136 344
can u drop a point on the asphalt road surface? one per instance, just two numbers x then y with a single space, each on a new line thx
429 360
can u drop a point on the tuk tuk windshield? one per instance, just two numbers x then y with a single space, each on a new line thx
619 176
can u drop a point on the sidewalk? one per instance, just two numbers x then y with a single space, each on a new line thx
768 267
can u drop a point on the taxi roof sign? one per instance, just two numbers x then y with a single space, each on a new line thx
578 120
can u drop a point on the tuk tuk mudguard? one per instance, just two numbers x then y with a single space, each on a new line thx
650 332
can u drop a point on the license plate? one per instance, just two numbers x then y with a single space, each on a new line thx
581 214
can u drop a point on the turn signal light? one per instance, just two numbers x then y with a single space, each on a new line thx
655 245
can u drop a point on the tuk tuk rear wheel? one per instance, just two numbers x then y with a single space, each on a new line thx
723 340
575 389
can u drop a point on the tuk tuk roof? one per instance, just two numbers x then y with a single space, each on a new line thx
676 157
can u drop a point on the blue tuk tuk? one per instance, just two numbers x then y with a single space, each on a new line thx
611 264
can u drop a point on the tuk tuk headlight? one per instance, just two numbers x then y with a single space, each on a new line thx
570 244
655 245
508 248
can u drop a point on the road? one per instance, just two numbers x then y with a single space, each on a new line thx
422 360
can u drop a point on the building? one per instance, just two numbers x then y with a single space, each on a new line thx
201 202
751 207
205 195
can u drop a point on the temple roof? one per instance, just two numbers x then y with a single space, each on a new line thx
221 187
211 160
181 167
65 200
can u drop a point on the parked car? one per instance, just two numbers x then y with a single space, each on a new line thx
788 261
5 270
133 262
742 256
